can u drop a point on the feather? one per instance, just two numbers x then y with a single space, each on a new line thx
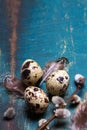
53 66
79 120
49 71
13 85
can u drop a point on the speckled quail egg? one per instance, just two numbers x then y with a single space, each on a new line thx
57 82
31 72
36 99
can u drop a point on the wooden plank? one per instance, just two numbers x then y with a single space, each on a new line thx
43 31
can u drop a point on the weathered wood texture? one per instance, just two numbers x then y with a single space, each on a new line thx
42 30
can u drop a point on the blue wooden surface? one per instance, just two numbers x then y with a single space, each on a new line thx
42 30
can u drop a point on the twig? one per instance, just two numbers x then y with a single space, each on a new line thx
43 126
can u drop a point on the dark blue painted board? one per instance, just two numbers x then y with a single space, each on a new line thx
45 30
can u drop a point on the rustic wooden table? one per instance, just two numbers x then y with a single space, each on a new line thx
42 30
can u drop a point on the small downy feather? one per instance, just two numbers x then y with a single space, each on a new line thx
79 120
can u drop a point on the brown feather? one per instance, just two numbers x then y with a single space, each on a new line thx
79 120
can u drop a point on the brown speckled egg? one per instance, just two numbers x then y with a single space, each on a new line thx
31 72
36 99
57 82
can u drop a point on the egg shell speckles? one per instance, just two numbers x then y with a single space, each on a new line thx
31 72
57 82
36 99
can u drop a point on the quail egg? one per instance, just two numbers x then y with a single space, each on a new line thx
36 99
57 82
31 72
